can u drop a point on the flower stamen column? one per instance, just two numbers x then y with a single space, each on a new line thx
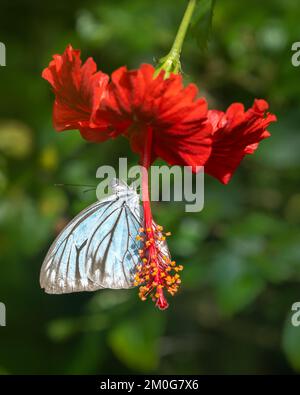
157 271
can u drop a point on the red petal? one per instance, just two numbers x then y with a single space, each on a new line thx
236 133
78 90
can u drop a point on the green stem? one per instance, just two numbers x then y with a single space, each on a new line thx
180 36
171 62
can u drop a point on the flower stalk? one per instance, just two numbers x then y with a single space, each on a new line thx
171 62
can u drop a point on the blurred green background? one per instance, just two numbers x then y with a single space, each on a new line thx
241 253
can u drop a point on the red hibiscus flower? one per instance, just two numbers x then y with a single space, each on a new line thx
78 91
235 134
161 118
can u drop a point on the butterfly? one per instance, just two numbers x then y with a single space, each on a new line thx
98 248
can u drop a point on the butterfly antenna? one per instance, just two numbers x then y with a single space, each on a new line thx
89 190
75 185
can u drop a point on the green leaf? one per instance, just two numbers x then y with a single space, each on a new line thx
237 283
136 340
201 24
62 329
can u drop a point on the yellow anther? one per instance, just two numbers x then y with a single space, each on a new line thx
154 273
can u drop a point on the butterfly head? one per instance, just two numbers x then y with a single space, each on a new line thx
127 192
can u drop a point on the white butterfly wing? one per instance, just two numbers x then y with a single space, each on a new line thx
98 248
